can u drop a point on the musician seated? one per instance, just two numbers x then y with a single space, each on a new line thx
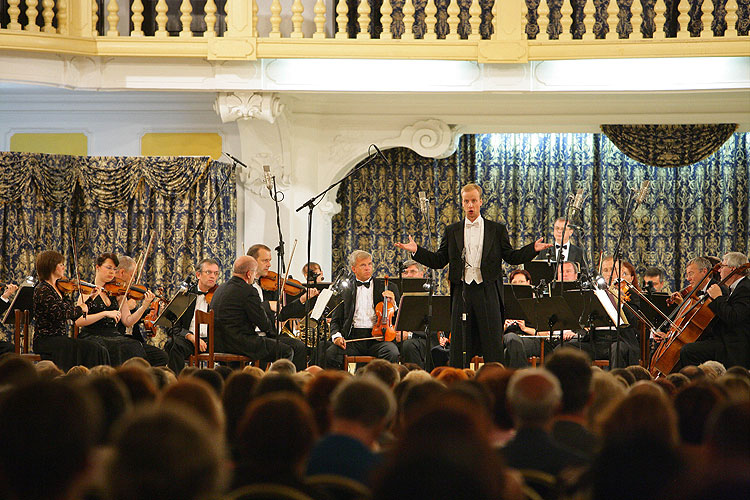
696 269
518 349
10 289
355 318
238 311
570 252
726 338
654 280
414 347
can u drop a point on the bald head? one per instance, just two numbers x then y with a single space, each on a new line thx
533 396
245 268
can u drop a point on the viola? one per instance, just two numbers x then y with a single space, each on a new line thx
149 320
384 321
210 293
270 282
68 286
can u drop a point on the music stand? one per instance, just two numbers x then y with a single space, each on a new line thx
22 300
541 270
549 313
412 313
513 309
659 300
175 309
405 285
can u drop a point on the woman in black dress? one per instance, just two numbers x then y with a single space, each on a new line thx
100 325
52 312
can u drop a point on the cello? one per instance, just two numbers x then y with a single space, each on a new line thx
692 318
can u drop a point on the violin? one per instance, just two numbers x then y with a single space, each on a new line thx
68 286
149 320
270 282
672 300
384 321
117 288
210 293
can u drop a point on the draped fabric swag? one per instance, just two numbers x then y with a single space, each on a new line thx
701 209
115 204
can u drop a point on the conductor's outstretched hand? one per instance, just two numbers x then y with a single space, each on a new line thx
411 246
539 246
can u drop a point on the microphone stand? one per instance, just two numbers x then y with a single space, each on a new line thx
559 257
431 291
464 318
311 204
277 197
617 260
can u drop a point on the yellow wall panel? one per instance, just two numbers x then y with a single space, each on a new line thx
181 145
58 144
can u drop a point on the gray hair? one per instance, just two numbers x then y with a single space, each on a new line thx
283 365
412 262
700 263
126 263
358 255
534 394
365 400
735 259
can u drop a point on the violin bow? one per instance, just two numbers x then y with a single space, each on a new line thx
289 264
75 265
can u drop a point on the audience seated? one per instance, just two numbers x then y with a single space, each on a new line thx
212 378
197 395
384 370
496 378
318 393
238 392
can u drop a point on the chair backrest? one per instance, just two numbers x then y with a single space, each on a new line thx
21 323
340 487
267 491
205 318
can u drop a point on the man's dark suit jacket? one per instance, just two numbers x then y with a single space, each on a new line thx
495 249
237 311
732 323
343 315
575 254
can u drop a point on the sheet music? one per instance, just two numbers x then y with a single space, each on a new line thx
323 297
608 306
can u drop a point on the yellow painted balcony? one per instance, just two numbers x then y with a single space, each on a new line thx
469 30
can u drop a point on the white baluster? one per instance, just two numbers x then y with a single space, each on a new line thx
210 18
542 20
453 21
48 14
342 9
566 19
186 10
137 18
386 20
320 19
683 19
94 18
275 19
731 17
589 11
113 18
430 20
62 17
363 17
31 14
612 19
636 19
660 20
408 20
297 10
161 19
475 19
13 13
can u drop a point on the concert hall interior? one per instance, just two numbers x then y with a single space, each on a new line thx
402 170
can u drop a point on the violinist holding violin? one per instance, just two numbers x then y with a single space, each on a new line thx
105 311
727 337
356 316
10 289
133 320
181 343
52 311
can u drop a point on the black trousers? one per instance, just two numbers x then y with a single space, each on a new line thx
299 351
414 350
484 326
376 348
178 349
519 349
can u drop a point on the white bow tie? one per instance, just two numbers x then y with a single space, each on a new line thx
472 224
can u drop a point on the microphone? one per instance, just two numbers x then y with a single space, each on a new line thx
235 159
381 154
578 201
267 177
574 227
423 202
642 193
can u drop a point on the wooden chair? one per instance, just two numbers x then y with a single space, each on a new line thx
601 363
339 487
22 324
356 360
210 357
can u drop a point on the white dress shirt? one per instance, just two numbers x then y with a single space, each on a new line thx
474 244
200 305
260 293
364 312
565 253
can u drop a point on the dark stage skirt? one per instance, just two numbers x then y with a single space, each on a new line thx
67 352
119 347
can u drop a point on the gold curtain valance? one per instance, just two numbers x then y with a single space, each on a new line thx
109 181
669 145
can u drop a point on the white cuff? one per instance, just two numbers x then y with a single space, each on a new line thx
335 336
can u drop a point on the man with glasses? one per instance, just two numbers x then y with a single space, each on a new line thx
181 343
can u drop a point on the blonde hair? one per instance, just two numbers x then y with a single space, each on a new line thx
471 186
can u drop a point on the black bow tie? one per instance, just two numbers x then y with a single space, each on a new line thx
365 284
564 247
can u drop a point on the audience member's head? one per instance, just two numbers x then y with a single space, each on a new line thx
639 372
694 403
318 392
362 407
224 371
238 392
383 370
77 371
534 395
103 370
16 371
286 448
140 384
284 366
666 385
416 398
48 370
737 388
713 369
48 431
451 375
693 372
417 376
740 371
212 378
276 382
166 453
113 398
196 394
646 413
161 376
625 375
572 367
496 379
728 432
254 371
403 370
605 389
188 371
136 362
678 379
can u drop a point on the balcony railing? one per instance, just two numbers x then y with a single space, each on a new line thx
481 30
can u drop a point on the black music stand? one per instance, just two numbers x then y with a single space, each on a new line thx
406 285
659 300
175 309
22 300
588 308
513 309
412 316
541 270
549 313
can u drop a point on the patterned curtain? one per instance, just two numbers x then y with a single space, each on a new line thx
115 204
695 210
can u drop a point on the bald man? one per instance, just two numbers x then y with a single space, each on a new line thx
238 310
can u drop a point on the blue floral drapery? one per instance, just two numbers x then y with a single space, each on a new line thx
115 204
700 209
